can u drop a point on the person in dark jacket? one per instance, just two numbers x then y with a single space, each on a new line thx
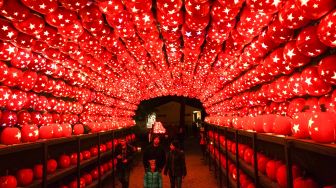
154 152
124 154
176 166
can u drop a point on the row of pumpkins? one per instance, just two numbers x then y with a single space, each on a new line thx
33 133
26 176
274 169
318 126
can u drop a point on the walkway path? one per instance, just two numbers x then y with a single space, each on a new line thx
198 174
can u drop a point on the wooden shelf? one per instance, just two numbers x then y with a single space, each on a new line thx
310 145
95 183
35 184
4 149
246 133
60 173
61 140
264 181
231 181
248 169
276 139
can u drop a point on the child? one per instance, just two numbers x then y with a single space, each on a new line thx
152 177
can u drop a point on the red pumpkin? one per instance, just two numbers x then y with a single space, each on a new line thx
248 155
271 168
51 166
67 129
10 135
102 148
109 145
321 127
73 184
57 130
300 125
8 182
87 178
282 125
25 176
95 174
262 162
78 129
94 151
281 174
304 183
86 154
73 158
46 132
64 161
29 133
38 171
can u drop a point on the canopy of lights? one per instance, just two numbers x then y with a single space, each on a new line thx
86 61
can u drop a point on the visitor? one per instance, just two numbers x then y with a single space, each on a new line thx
176 166
154 152
153 178
124 154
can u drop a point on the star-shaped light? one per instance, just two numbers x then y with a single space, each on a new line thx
276 2
146 18
291 53
10 34
304 2
42 6
308 81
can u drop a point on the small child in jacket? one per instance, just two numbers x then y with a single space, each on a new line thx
153 178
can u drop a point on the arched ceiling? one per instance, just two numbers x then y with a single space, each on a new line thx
109 55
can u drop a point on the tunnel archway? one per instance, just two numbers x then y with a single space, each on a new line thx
171 111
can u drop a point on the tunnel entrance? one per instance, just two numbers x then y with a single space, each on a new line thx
170 112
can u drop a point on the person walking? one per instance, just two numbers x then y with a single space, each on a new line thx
124 154
154 152
176 165
152 178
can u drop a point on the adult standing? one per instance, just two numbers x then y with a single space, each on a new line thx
154 152
176 166
124 154
181 137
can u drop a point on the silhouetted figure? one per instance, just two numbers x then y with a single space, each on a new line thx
176 166
180 137
124 153
154 152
